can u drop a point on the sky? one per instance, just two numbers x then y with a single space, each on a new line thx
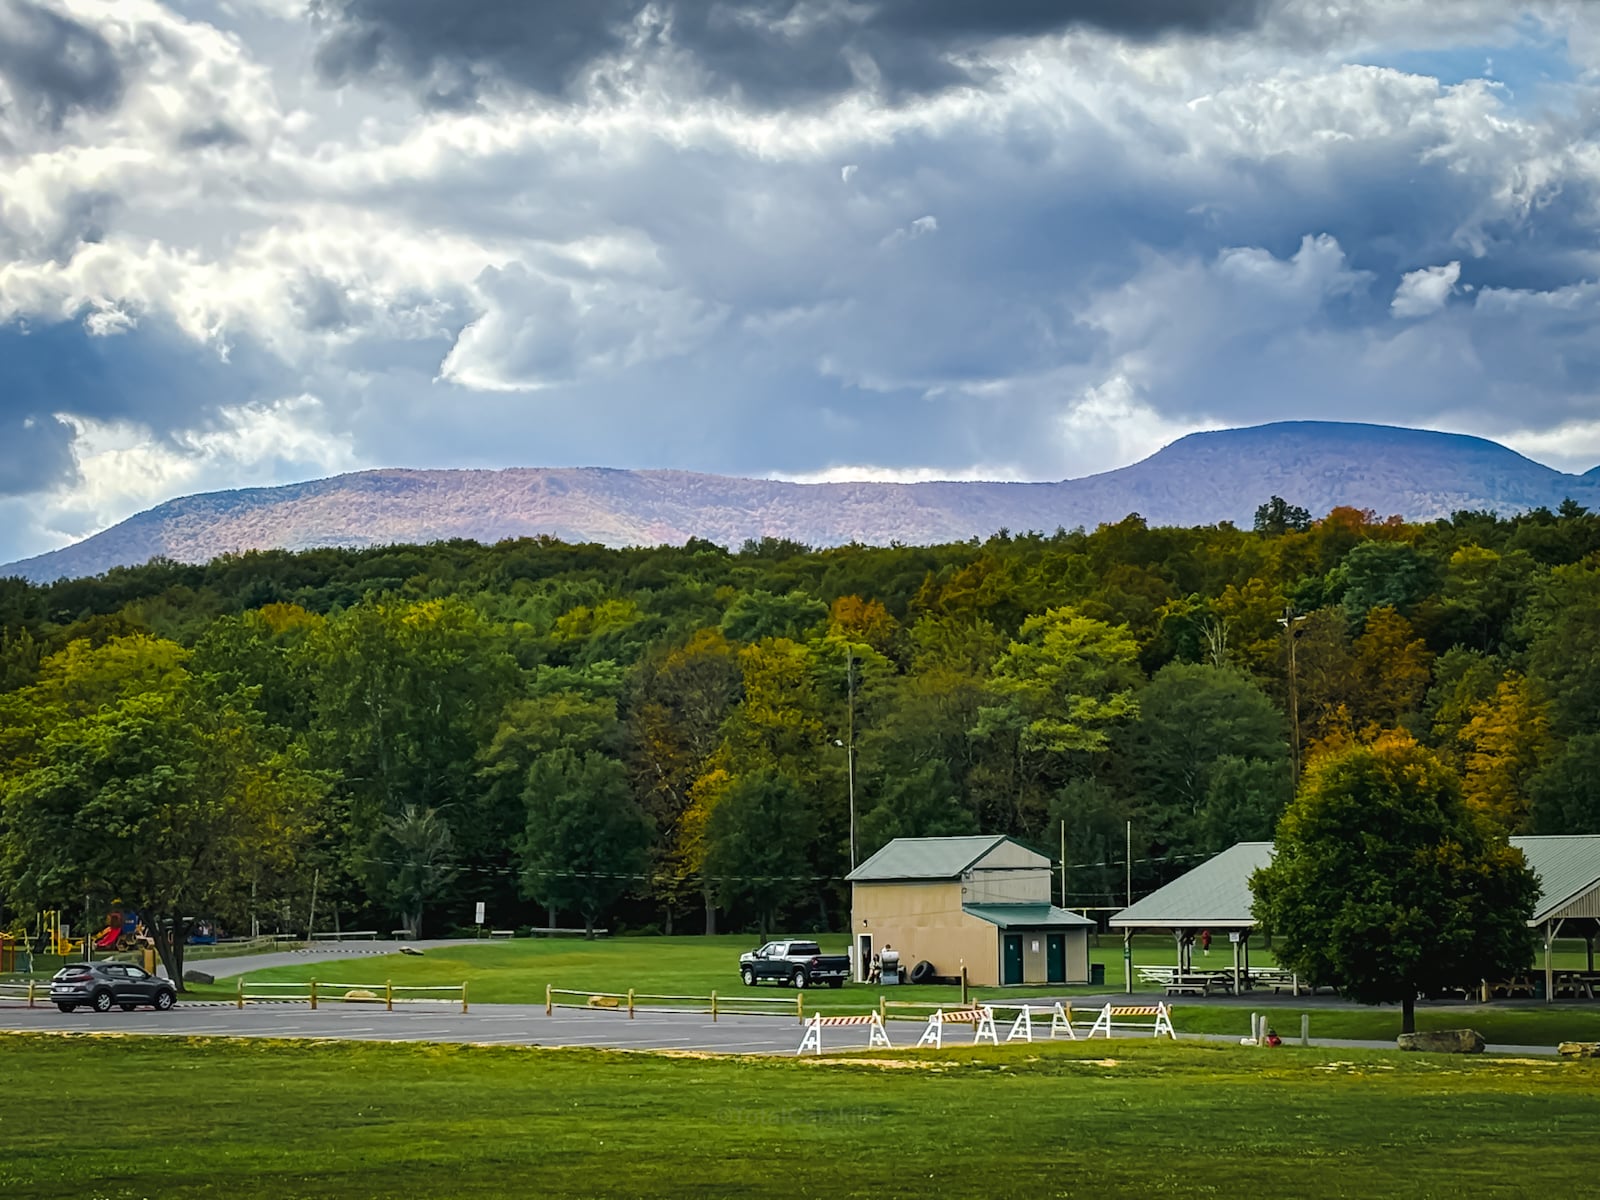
246 242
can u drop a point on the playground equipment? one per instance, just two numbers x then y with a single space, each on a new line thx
124 931
52 935
8 954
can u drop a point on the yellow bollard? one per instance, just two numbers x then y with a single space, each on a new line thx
883 1008
388 995
630 1004
800 1006
241 992
313 995
549 999
463 997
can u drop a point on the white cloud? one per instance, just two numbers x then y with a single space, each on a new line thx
682 281
122 468
1425 291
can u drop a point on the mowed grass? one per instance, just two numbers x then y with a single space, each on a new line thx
516 972
329 1120
1523 1024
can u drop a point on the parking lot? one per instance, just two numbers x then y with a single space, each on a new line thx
490 1024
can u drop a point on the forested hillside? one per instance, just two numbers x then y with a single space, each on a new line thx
660 737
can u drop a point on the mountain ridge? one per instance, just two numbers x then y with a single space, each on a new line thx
1201 479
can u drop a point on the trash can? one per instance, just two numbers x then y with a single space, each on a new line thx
1538 987
1097 974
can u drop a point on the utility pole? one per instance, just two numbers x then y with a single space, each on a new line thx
1063 862
850 747
1289 621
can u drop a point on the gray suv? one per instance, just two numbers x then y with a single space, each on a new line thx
101 985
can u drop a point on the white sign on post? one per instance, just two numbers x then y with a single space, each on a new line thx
478 920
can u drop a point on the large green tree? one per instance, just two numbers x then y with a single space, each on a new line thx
759 841
1385 884
587 840
167 796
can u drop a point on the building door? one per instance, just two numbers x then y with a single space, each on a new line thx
864 957
1013 959
1055 949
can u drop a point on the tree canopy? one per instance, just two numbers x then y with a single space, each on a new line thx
1029 684
1385 884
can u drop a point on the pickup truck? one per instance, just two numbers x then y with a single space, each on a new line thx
799 964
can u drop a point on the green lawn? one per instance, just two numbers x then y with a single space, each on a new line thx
329 1121
517 972
1524 1024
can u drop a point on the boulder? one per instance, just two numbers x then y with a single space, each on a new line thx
1443 1041
198 977
1579 1049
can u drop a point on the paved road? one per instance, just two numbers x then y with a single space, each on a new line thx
513 1024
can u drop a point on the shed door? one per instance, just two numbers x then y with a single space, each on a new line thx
1013 959
1055 967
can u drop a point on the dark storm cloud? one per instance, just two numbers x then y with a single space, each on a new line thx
52 66
152 375
768 51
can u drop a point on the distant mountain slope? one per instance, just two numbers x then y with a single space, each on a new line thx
1198 480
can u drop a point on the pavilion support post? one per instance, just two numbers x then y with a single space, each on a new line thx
1235 944
1588 945
1127 961
1177 938
1550 928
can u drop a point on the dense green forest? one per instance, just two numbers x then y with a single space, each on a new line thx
660 737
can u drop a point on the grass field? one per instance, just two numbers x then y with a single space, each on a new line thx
517 972
340 1120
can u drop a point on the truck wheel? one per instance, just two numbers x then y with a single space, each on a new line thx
748 974
799 979
835 983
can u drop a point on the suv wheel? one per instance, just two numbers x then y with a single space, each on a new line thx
748 974
67 1007
129 1007
799 977
164 1000
102 1001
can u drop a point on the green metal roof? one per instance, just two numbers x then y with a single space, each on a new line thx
1217 892
1214 895
1026 916
924 858
1566 867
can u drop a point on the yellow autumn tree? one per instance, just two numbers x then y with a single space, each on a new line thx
1503 745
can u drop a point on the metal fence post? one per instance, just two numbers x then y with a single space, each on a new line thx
388 995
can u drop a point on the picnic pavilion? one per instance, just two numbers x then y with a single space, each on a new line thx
1216 896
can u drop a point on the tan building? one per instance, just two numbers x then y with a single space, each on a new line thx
982 903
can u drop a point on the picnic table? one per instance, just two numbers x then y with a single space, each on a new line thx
1576 984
